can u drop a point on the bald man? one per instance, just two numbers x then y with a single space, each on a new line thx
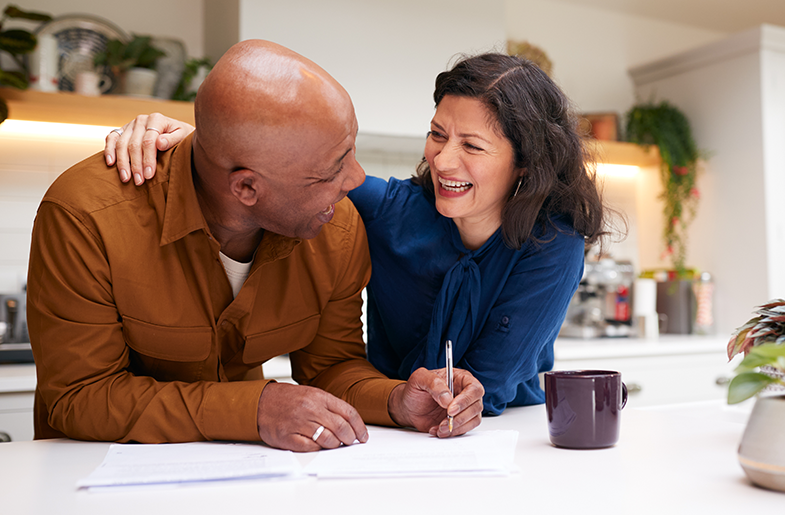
151 309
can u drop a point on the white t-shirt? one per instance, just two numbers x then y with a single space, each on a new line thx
236 272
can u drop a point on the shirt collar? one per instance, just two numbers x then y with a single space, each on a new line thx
183 214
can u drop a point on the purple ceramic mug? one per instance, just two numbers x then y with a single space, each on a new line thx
583 407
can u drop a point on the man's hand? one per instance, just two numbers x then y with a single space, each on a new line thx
424 402
290 415
135 146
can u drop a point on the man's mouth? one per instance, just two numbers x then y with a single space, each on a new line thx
456 186
329 211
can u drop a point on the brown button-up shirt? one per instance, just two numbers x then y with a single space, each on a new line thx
135 332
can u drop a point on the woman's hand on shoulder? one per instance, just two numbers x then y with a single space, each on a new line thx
134 147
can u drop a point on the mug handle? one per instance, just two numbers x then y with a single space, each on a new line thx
104 83
623 395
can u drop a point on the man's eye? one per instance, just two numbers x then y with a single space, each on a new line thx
335 175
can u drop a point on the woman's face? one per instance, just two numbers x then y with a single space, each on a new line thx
472 164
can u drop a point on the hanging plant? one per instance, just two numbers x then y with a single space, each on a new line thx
666 126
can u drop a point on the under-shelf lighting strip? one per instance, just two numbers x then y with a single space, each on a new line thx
28 129
48 130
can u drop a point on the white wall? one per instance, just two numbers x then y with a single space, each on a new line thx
386 54
592 49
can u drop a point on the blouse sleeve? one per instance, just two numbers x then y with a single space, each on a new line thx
516 342
369 197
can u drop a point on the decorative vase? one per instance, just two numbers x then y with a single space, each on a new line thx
762 448
140 82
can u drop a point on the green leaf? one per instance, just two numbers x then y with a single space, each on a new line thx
16 41
769 350
747 384
766 354
3 110
16 80
13 11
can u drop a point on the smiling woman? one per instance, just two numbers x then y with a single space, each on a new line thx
484 246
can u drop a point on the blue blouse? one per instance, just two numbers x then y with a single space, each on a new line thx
502 308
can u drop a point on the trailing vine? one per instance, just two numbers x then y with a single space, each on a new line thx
666 126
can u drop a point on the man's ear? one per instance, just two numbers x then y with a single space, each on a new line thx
246 186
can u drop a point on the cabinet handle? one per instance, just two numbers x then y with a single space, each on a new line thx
634 388
722 380
5 437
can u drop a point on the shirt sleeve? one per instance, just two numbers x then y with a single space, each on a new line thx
335 360
82 360
516 343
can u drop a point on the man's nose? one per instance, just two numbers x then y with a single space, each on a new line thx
355 177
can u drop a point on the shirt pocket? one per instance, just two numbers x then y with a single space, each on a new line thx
261 347
181 344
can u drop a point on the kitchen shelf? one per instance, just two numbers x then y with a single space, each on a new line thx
109 110
117 110
623 153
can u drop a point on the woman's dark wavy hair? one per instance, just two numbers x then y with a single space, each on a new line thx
537 119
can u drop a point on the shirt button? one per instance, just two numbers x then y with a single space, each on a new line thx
224 323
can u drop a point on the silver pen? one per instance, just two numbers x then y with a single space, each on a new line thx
448 350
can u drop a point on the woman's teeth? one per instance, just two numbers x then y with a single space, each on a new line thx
454 185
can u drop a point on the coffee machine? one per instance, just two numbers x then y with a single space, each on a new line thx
14 339
601 307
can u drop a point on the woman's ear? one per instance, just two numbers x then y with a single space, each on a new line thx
246 186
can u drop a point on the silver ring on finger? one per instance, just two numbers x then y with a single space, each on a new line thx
153 129
118 130
318 433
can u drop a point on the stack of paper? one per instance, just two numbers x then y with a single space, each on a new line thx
397 453
189 462
388 453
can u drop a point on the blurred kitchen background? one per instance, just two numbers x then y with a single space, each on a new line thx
719 64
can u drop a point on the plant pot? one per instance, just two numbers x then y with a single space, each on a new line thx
762 448
139 82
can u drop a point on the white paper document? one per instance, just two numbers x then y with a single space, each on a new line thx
397 453
132 464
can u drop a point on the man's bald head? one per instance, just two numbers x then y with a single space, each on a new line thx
274 143
260 97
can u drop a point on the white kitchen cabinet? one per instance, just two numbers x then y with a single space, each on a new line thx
672 369
17 388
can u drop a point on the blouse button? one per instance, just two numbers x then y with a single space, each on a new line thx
505 320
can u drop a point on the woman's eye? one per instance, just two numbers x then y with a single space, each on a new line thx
472 147
436 135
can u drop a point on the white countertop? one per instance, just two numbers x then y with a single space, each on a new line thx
673 459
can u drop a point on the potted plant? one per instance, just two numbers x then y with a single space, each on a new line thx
16 43
762 341
666 126
133 62
193 75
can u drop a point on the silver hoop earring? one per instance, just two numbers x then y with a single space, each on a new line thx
518 188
